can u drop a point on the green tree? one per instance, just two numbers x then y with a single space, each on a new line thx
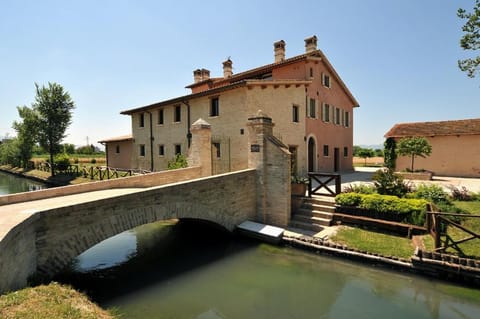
54 107
471 39
365 153
390 154
26 133
68 148
356 148
414 146
10 152
378 152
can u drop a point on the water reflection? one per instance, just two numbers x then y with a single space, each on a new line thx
10 184
189 271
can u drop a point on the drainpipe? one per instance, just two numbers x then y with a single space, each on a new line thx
151 141
189 134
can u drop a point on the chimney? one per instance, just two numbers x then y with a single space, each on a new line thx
197 75
205 74
279 49
227 68
311 44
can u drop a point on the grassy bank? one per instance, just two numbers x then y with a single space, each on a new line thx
58 180
51 301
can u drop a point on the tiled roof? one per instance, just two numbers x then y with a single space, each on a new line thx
442 128
117 139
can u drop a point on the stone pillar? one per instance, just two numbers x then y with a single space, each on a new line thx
271 158
200 152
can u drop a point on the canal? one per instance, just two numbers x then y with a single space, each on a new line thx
190 270
10 184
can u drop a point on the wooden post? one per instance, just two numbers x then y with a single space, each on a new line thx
436 223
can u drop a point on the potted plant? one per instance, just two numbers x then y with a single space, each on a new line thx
299 185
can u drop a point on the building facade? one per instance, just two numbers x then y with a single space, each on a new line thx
310 105
118 151
455 146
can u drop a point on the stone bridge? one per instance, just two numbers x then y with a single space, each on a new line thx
41 232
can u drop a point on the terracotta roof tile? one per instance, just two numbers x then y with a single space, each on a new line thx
117 139
441 128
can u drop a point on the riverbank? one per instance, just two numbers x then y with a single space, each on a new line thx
44 177
50 301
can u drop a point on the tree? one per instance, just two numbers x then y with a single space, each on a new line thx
26 133
471 39
414 146
390 154
54 107
10 152
365 153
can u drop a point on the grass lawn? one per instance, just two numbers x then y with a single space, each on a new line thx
46 302
374 242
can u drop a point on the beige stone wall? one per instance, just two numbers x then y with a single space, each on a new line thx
278 102
451 156
123 157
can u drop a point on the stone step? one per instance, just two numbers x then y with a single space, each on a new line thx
318 207
312 220
305 225
313 213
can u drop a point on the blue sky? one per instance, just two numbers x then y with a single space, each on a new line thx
399 58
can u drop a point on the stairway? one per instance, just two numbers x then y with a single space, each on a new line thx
314 213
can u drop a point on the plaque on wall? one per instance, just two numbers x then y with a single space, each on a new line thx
254 148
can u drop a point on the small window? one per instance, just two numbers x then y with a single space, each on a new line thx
178 149
326 80
160 117
337 116
313 109
295 114
311 72
214 107
142 149
347 119
142 120
161 150
345 151
177 116
326 112
216 149
117 149
325 150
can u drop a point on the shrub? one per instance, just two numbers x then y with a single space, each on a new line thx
93 161
348 199
461 194
62 161
359 188
388 183
432 193
179 161
387 207
75 160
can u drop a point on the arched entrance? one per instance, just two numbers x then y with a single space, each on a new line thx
312 155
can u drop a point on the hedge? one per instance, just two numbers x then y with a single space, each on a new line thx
405 210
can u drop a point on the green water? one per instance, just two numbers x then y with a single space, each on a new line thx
10 184
191 271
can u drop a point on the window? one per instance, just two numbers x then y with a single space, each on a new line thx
326 80
313 111
337 116
326 112
311 72
117 149
161 150
325 150
142 120
214 107
142 149
295 114
345 151
177 116
160 117
216 149
178 149
347 119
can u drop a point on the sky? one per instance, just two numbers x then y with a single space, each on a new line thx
398 58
